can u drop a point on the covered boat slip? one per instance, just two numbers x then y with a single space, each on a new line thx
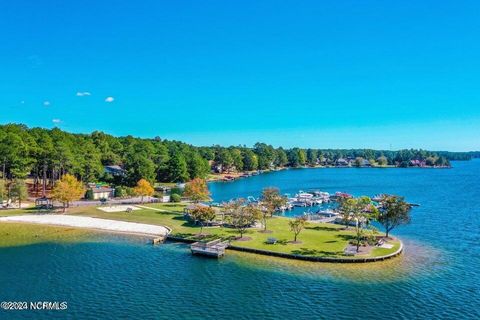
215 248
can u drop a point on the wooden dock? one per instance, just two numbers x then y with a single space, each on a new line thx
215 248
158 240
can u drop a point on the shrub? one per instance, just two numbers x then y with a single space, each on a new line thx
89 194
130 192
175 197
176 191
120 192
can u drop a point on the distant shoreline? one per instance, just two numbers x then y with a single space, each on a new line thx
225 177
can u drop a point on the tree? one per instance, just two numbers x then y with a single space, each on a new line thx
120 192
345 208
175 197
143 189
297 225
271 201
302 157
242 216
250 160
430 161
14 151
362 211
224 159
68 189
202 215
19 191
177 168
382 161
358 162
139 161
3 190
89 165
394 211
442 162
281 158
312 156
197 166
197 190
237 159
266 155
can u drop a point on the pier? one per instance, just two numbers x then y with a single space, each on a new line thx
215 248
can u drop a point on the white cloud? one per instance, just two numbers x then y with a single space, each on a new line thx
46 103
109 99
83 93
56 121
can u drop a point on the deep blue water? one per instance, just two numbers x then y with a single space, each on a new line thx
436 278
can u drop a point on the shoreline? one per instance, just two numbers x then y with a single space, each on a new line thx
131 229
227 177
300 257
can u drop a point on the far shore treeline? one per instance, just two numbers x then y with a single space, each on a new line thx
50 153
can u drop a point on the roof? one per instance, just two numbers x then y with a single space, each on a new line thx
100 190
114 169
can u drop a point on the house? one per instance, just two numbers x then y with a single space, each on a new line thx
115 171
341 162
417 163
103 193
366 163
98 191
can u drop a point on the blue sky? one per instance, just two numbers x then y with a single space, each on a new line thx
373 74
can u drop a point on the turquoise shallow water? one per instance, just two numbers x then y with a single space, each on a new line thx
123 278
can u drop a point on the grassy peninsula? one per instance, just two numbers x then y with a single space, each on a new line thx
317 239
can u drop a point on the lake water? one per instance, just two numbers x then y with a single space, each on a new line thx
123 278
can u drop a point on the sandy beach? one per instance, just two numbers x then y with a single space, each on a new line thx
91 223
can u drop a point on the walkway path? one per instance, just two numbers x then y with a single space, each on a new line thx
154 209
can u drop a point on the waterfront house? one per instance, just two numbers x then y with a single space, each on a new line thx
417 163
366 163
341 162
115 171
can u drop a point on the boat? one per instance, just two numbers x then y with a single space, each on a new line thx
327 213
339 195
303 199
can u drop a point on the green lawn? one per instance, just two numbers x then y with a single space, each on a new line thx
324 240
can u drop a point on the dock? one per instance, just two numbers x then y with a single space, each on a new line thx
158 240
215 248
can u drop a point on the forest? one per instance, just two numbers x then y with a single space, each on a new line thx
47 154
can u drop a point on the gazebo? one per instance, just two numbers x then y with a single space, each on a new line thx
44 203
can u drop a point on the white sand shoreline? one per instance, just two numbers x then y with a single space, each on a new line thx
91 223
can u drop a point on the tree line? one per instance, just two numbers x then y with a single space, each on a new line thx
45 155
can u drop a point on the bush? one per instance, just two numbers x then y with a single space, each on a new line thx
175 197
130 192
120 192
89 194
176 191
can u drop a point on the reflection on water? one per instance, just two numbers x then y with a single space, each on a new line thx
411 263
